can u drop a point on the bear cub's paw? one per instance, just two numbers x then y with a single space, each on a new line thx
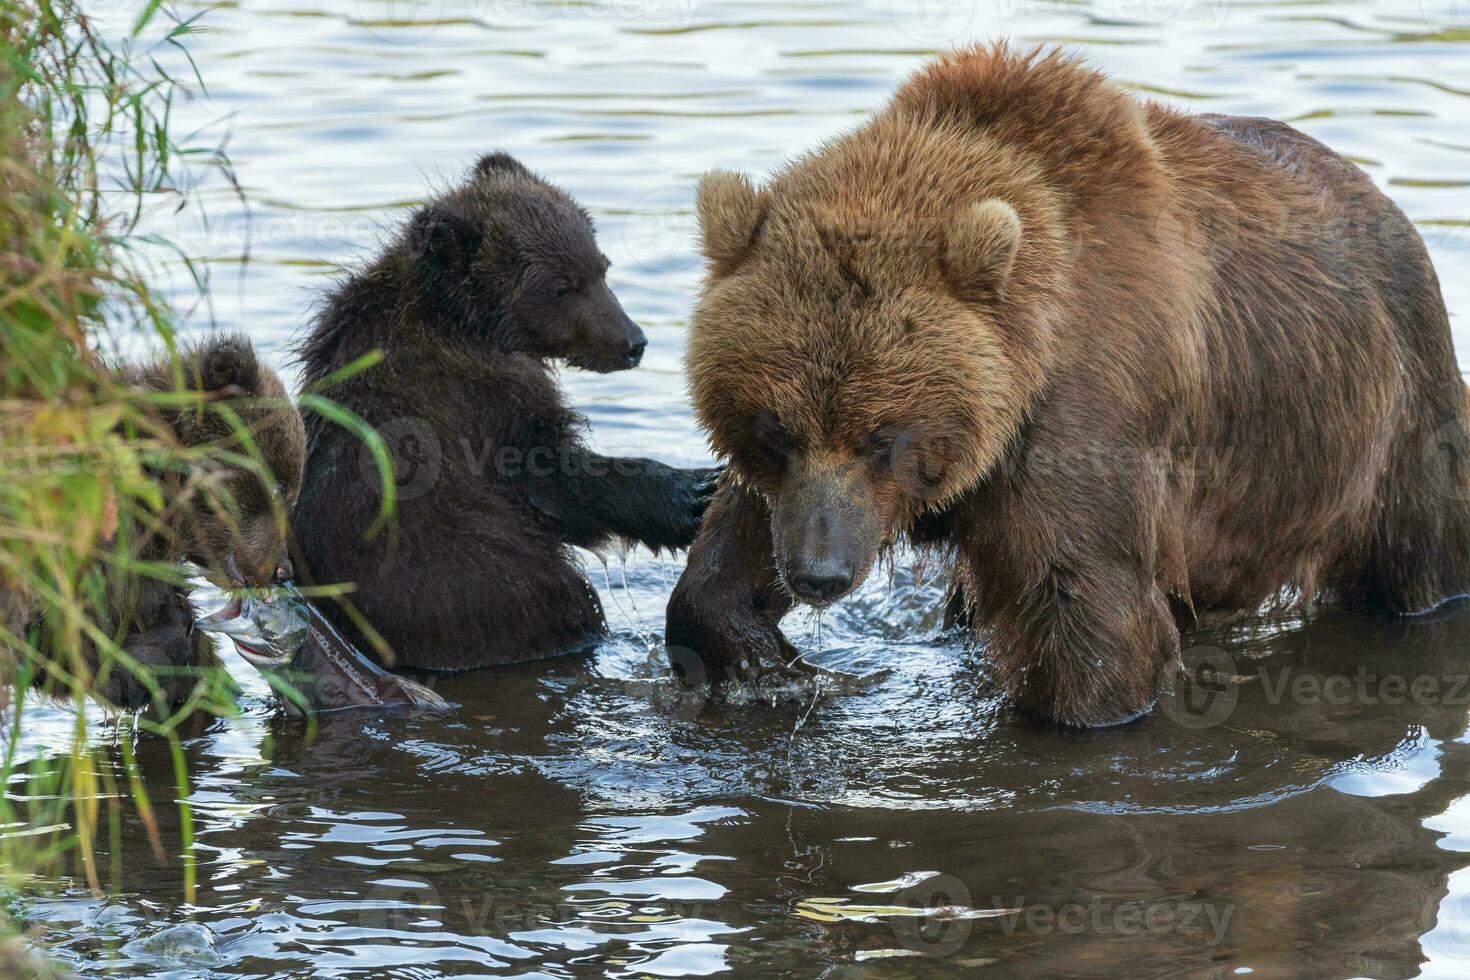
677 503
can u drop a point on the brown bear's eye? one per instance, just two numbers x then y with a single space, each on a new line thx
886 444
772 438
563 291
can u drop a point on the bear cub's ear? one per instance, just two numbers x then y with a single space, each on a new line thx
219 368
500 163
731 211
980 249
441 239
224 364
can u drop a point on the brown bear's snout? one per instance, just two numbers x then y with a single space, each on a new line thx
822 582
825 531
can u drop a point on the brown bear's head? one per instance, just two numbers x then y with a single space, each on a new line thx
230 519
856 353
513 260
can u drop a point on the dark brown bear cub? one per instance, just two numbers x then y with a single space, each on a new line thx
1125 367
229 521
484 286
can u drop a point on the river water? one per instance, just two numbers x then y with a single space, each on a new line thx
1304 814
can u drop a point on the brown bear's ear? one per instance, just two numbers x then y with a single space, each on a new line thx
980 249
731 211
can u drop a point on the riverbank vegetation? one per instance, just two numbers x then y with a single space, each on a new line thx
86 155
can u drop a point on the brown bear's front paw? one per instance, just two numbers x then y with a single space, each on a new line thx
730 647
1064 714
1087 692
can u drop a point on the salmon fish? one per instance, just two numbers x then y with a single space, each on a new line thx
309 662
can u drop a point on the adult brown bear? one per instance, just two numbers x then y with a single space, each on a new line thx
1127 366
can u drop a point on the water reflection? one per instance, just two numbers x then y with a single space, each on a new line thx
586 816
577 815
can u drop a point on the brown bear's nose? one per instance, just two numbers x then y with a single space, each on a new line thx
635 350
820 586
284 571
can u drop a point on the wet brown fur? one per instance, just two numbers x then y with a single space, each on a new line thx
1215 372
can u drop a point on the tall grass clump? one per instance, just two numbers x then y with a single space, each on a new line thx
86 155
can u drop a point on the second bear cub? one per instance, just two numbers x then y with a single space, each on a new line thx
485 285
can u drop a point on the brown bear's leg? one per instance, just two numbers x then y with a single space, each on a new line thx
724 615
1067 553
1089 646
1419 554
956 607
